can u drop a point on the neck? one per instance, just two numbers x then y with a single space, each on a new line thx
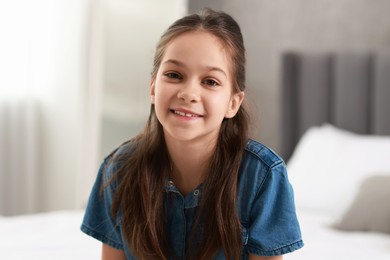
190 163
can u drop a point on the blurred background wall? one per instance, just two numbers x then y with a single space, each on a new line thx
80 70
74 80
131 31
43 100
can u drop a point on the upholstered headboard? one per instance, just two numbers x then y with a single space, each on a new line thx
348 90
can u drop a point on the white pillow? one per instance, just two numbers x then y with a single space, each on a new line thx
329 164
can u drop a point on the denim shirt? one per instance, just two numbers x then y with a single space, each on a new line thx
265 207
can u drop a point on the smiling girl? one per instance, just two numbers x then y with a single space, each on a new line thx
193 185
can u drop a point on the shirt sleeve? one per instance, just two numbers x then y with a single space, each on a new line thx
274 228
98 221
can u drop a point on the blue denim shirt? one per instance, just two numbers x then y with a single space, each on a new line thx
265 207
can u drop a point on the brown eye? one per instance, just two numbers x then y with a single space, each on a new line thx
210 82
173 75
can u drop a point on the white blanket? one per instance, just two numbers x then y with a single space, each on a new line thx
54 235
322 242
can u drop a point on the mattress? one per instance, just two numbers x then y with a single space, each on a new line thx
53 235
324 242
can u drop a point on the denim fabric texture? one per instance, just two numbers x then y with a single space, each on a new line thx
265 207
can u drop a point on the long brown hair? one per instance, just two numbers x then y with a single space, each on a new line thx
144 169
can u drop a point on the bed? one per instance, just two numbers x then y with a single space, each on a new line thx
336 142
46 236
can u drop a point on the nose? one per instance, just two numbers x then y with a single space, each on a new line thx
189 92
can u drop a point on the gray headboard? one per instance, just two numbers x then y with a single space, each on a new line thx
348 90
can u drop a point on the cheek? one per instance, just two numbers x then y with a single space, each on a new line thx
220 103
158 88
163 93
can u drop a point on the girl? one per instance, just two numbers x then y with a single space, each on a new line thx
192 185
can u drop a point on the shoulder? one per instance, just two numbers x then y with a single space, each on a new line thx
266 203
258 164
260 168
98 221
258 153
117 159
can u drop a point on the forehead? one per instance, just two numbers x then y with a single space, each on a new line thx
200 46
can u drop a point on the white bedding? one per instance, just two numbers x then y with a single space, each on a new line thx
323 242
54 235
340 179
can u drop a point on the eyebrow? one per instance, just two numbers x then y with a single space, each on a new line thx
181 64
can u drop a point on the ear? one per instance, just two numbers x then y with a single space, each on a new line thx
234 104
152 91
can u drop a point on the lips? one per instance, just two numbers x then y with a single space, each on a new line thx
185 113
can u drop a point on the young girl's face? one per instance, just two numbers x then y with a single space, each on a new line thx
193 90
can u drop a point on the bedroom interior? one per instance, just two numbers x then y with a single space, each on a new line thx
336 111
318 79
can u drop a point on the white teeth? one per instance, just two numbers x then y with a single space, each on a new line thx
184 114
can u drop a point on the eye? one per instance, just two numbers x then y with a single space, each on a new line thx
211 82
173 75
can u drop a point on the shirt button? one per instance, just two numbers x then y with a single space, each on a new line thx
196 192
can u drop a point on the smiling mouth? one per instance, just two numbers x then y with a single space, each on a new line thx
184 114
